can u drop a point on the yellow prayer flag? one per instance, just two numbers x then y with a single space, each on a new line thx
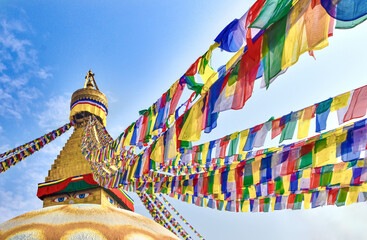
295 43
205 70
154 118
234 58
347 177
204 153
307 200
171 143
173 89
363 187
306 173
229 90
303 128
256 171
286 184
191 130
214 76
252 191
273 200
340 101
189 199
336 177
221 196
326 155
231 176
360 163
158 151
341 137
190 189
245 206
304 121
353 195
216 183
234 136
243 139
308 31
127 139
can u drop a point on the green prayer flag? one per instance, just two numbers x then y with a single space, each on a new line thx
298 202
279 187
342 197
233 145
248 178
326 174
186 144
320 145
192 84
220 205
288 131
266 204
245 193
273 44
349 24
306 160
271 12
324 106
352 163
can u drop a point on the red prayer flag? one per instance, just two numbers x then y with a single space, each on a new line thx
271 187
358 104
247 72
276 128
254 11
291 199
333 193
315 178
223 145
306 149
176 97
193 68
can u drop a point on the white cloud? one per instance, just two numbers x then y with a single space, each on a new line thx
19 68
56 113
4 95
4 78
44 73
2 67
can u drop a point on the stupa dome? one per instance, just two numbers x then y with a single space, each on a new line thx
83 221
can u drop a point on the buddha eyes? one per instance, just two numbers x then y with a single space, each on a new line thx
110 200
60 199
82 195
63 199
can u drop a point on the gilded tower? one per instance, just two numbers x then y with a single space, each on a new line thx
71 171
74 205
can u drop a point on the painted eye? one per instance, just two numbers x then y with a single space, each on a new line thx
60 199
82 195
110 199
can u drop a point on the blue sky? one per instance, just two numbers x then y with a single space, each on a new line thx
137 49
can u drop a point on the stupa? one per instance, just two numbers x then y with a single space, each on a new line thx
75 206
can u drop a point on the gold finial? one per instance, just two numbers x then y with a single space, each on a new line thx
89 80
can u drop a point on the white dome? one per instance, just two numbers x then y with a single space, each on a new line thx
83 221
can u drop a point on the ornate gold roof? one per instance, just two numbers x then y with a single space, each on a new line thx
91 92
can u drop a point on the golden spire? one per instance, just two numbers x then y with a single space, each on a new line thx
88 100
89 80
